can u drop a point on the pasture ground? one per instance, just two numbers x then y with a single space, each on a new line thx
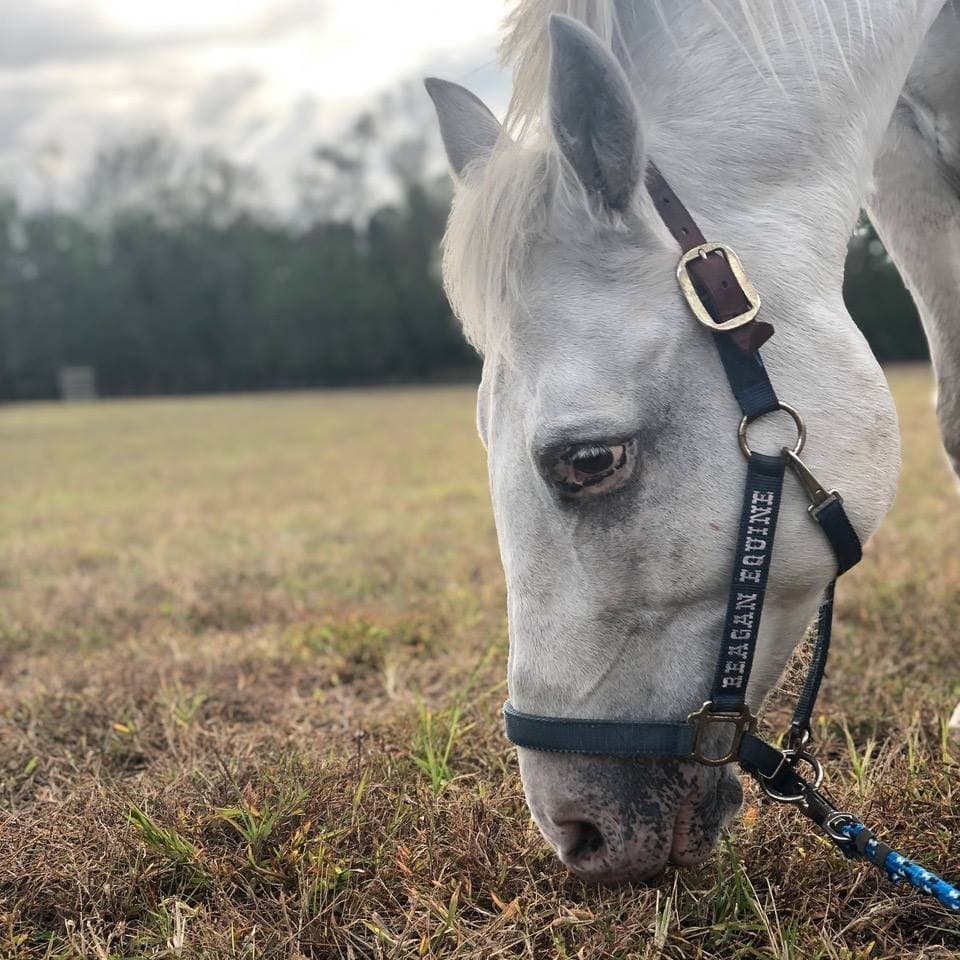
253 653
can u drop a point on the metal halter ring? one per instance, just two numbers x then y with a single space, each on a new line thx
786 408
793 757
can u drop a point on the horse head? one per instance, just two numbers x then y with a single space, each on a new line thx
614 469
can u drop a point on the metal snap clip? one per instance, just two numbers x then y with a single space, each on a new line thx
792 758
818 494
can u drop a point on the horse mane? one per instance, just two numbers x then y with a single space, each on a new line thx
525 192
755 29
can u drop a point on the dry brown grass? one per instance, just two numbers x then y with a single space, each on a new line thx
253 655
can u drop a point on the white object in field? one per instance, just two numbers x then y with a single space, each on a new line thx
77 383
953 727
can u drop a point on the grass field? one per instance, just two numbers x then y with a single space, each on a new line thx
253 653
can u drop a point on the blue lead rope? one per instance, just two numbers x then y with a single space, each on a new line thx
897 866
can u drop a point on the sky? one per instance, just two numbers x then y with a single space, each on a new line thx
262 80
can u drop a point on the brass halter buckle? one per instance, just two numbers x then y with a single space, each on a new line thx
698 307
743 722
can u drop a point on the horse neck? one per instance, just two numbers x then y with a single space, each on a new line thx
768 131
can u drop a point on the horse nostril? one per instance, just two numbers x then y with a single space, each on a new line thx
581 839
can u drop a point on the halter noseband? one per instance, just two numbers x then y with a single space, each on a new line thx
721 297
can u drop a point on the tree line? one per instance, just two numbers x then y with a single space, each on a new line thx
172 275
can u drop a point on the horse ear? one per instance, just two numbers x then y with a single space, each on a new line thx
593 112
468 128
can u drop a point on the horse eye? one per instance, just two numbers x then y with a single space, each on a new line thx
592 460
593 468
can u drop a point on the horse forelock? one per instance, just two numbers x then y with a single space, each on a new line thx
524 195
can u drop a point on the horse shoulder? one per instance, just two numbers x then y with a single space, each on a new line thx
915 205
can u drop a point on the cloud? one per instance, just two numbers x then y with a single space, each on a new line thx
18 107
37 32
224 95
43 32
263 81
287 16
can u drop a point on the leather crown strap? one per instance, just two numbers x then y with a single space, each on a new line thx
723 730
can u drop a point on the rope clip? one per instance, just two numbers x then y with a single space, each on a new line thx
819 496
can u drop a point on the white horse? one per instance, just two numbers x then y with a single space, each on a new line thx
614 469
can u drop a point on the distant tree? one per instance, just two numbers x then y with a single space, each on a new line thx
334 183
878 301
173 275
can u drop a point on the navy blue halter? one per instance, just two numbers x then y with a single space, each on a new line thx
723 300
710 295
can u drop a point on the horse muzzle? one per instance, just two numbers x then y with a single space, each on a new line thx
614 820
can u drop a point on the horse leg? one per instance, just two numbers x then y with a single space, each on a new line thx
915 206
